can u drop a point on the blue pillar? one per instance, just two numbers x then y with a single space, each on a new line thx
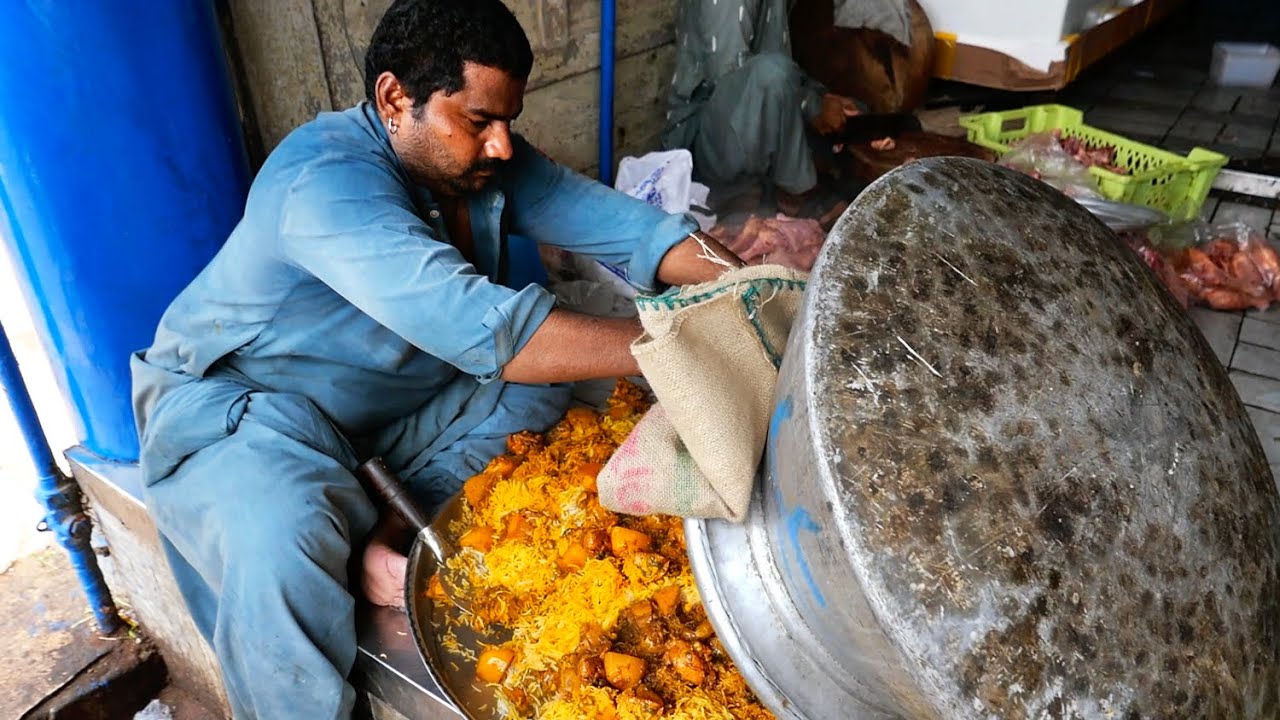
608 59
122 170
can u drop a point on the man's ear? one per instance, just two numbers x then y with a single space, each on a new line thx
390 98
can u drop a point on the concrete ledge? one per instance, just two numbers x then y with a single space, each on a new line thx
139 577
389 673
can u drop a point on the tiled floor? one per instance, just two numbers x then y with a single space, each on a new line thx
1248 343
1158 91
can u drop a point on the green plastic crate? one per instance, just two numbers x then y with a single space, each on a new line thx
1158 179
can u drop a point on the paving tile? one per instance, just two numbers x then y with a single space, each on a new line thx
1236 152
1267 425
1180 145
1199 131
1220 329
1270 315
1152 140
1127 127
1258 392
1159 112
1256 332
1258 218
1192 113
1140 110
1175 96
1258 104
1152 121
1216 99
1253 121
1256 360
1250 136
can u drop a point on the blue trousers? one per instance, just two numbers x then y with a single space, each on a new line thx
259 528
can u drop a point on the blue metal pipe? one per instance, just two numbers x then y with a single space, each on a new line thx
57 493
608 12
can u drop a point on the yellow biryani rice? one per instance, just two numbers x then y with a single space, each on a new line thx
590 597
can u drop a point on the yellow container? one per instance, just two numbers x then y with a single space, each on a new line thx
1159 179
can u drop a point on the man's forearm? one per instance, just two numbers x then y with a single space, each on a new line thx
570 346
699 258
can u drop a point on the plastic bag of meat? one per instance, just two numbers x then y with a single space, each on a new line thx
1227 267
1237 269
1043 157
1161 266
779 240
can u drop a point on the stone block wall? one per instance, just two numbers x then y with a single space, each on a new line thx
300 57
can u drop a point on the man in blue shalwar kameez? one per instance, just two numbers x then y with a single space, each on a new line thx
358 309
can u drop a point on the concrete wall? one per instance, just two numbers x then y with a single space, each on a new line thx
301 57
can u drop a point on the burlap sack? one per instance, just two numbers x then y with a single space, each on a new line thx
711 354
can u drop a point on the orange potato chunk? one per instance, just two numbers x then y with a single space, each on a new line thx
517 527
622 671
666 599
574 558
587 474
480 538
435 589
624 541
477 488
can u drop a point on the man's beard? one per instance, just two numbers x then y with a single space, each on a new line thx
474 177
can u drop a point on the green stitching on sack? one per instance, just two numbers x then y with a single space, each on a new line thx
669 300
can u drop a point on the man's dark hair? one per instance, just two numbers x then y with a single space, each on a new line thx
425 42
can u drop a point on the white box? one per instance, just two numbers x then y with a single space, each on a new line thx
1030 31
1244 64
1010 19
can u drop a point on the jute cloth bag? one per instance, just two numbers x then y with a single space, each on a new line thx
710 353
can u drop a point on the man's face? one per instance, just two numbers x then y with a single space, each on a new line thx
453 144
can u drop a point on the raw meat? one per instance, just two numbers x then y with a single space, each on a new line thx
780 240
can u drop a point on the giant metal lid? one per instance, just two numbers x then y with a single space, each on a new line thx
1006 478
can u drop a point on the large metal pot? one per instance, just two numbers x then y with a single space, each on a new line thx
1006 477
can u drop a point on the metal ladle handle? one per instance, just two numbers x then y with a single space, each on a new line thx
383 483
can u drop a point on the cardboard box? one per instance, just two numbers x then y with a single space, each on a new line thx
991 63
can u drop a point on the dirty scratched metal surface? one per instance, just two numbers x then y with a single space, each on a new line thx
1007 476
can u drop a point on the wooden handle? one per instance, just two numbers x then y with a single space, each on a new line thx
381 482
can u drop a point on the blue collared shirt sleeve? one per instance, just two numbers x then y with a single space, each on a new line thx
351 224
555 206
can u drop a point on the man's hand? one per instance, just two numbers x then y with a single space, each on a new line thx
383 568
836 109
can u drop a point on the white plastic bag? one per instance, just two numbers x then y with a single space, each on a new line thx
665 180
155 710
661 179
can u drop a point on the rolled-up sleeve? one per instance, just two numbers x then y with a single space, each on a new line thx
352 225
555 206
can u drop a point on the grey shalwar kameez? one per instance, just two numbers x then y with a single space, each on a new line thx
738 101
